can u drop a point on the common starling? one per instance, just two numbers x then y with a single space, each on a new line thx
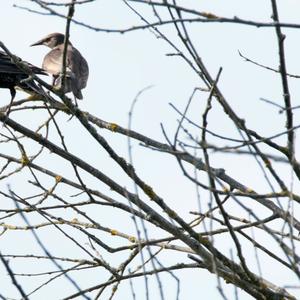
12 76
77 70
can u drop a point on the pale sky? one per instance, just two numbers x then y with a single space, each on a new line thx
120 67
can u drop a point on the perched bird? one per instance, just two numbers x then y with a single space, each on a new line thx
77 70
11 76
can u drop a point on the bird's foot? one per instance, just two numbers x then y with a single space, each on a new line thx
29 78
8 108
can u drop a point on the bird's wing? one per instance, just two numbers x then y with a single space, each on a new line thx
9 67
79 67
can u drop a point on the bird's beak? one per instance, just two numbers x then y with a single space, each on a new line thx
40 42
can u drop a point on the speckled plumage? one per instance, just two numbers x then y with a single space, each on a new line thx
12 76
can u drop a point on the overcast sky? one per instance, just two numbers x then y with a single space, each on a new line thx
121 65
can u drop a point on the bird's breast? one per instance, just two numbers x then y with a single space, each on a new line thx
53 62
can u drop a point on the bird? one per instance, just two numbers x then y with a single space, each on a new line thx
12 76
77 69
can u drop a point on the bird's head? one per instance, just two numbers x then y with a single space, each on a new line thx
51 40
